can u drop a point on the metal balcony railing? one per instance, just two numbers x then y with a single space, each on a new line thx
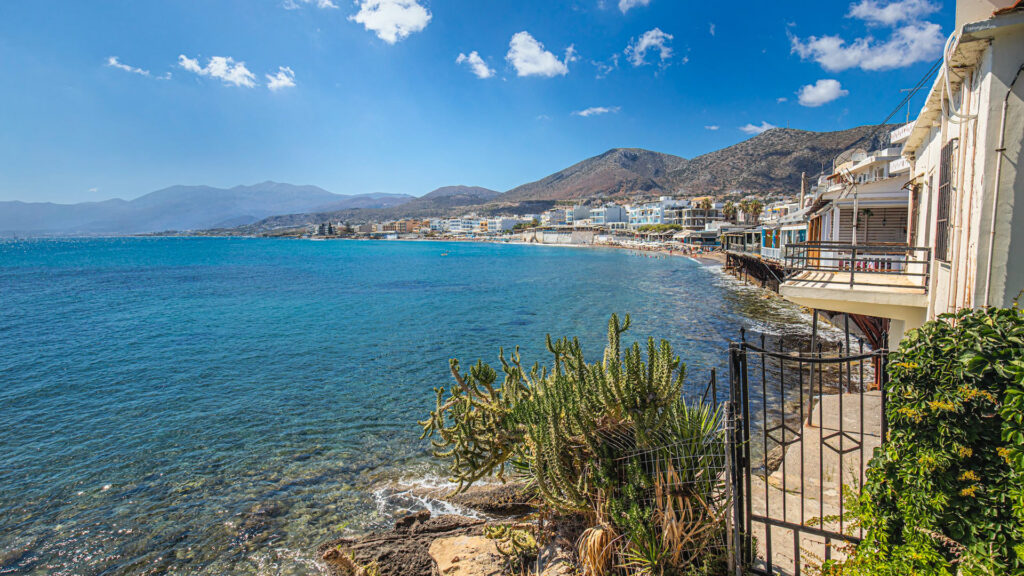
874 264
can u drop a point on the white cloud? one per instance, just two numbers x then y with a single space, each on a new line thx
285 78
781 100
755 129
910 39
476 64
114 62
712 127
908 45
821 92
711 28
529 57
597 111
392 20
221 67
296 4
606 68
892 13
651 40
626 5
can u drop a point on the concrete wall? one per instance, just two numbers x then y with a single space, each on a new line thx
962 282
1008 256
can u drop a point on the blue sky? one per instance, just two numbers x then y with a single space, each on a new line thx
108 98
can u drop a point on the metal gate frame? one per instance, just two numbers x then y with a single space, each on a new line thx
782 434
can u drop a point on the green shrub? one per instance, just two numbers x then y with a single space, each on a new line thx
611 442
938 497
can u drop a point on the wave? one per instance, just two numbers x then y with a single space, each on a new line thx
405 496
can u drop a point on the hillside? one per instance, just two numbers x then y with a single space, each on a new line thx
616 172
770 162
179 208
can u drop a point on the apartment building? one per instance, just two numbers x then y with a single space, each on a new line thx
938 226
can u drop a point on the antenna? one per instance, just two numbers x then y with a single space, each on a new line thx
909 98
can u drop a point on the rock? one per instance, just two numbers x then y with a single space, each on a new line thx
512 499
774 459
467 556
410 522
555 560
403 551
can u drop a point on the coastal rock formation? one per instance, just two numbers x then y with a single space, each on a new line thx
508 500
467 556
407 549
404 551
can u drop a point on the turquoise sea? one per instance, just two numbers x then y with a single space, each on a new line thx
222 406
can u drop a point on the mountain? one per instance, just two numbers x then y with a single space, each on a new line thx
443 199
772 161
440 202
616 172
768 163
180 208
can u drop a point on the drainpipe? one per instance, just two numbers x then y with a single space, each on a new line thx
995 193
965 100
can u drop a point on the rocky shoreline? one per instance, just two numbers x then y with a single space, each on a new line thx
420 544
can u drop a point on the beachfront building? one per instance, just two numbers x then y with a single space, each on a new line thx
603 216
742 240
790 229
951 243
553 218
405 226
666 210
698 215
576 214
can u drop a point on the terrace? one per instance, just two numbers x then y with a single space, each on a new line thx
877 279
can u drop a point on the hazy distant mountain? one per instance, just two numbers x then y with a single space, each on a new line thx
440 202
616 172
180 208
442 199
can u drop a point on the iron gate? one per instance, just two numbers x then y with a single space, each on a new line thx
806 425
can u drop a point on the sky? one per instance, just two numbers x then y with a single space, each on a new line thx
117 98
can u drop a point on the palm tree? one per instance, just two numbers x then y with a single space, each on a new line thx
729 211
754 209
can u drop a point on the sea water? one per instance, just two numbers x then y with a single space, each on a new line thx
222 406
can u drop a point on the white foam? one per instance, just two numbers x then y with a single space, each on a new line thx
422 493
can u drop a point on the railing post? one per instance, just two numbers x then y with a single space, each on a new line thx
883 384
853 263
738 534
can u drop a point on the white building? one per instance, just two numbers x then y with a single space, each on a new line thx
553 218
964 209
696 217
610 214
665 211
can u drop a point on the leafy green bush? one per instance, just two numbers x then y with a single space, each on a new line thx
611 442
938 494
660 227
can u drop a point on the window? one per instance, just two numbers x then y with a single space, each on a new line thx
942 213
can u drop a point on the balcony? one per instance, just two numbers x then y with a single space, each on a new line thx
877 279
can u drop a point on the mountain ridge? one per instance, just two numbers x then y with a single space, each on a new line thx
179 208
